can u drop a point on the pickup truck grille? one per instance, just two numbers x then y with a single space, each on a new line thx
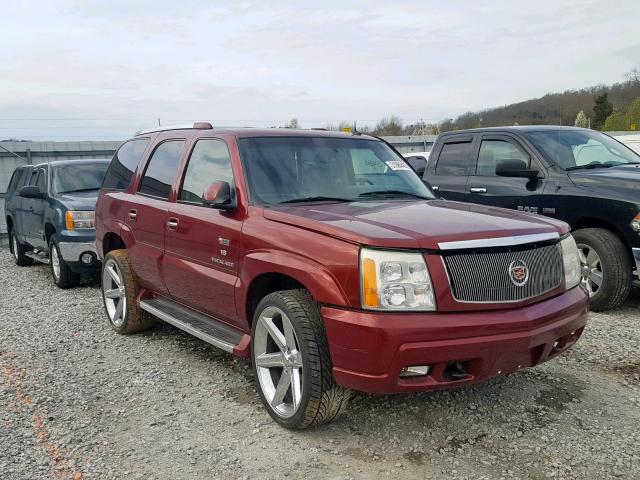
498 277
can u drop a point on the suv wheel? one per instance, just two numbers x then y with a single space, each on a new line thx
606 267
63 276
18 251
291 361
119 293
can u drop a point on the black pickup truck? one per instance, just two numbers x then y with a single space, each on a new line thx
50 212
580 176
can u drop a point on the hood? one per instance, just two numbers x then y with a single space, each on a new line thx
411 224
79 200
624 179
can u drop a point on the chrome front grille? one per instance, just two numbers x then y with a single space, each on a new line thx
486 277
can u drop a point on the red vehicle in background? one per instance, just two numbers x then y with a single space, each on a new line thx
325 259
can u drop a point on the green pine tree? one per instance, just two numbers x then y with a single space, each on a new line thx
601 110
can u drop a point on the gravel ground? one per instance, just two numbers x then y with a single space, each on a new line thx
78 401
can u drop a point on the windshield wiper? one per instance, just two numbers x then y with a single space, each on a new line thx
392 192
79 190
317 199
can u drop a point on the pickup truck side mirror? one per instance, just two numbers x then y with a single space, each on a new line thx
515 168
218 195
30 191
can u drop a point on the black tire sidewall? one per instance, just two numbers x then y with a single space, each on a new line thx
295 420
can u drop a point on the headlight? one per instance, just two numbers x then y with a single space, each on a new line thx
571 262
635 223
392 280
77 220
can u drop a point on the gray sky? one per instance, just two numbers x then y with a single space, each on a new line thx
83 70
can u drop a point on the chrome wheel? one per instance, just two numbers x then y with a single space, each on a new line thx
55 262
14 239
114 293
592 272
278 361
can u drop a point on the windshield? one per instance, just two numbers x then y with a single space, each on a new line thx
81 177
299 169
575 149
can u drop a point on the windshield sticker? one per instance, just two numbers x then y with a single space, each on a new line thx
398 165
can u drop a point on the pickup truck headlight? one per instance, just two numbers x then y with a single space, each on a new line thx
391 280
571 262
81 219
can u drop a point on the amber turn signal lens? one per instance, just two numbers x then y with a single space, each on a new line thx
370 283
69 220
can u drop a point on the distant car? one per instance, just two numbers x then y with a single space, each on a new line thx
417 160
50 217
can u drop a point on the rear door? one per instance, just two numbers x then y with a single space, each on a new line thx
485 187
202 244
146 216
449 166
33 210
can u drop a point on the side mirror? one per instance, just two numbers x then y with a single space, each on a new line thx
218 195
515 168
30 191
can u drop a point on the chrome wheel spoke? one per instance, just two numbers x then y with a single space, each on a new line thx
288 333
113 293
119 311
114 275
274 332
267 360
596 277
592 258
281 389
296 387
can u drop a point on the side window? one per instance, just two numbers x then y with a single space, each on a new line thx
15 179
162 169
33 177
493 152
124 163
41 182
418 163
455 158
209 162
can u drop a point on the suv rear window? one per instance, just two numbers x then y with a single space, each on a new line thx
16 179
162 169
455 158
124 163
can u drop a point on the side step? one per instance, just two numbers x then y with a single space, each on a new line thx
38 257
205 328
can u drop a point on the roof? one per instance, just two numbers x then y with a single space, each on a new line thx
515 128
61 163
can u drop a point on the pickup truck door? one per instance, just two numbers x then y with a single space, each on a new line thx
450 165
33 211
485 187
202 244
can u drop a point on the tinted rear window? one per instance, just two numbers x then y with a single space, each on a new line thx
455 158
124 163
16 179
162 169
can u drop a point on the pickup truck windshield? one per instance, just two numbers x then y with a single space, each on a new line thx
82 177
309 169
581 149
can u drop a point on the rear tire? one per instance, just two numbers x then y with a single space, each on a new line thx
607 261
120 292
303 348
18 250
63 276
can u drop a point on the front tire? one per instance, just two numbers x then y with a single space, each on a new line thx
607 270
19 251
119 294
291 362
63 276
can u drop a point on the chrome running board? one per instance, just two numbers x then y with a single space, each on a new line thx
38 257
201 326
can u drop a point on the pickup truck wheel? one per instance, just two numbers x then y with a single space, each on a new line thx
63 276
18 251
119 293
291 361
606 267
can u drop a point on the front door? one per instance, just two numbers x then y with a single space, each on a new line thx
202 244
146 215
487 188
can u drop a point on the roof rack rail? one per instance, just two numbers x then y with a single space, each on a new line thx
194 126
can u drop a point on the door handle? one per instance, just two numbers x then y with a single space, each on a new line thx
133 215
478 190
172 224
435 188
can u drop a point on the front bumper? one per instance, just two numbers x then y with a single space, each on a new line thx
71 251
369 349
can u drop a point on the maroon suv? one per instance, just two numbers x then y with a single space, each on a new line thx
325 259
